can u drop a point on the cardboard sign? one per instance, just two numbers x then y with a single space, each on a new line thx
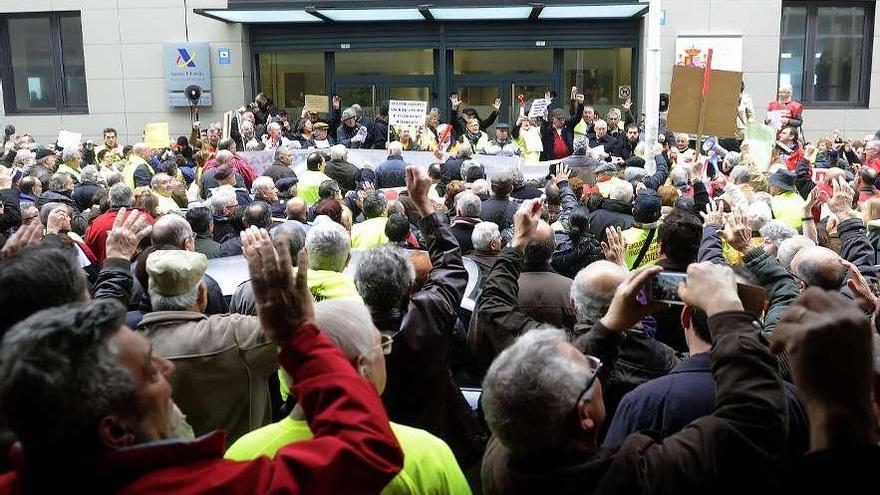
407 112
156 135
721 102
693 50
67 138
317 103
538 108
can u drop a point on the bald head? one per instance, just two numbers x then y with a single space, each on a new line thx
223 156
594 287
172 230
817 266
297 209
541 248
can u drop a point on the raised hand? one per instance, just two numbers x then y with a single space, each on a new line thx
860 288
418 184
625 309
614 246
841 199
563 172
454 101
627 104
497 104
815 196
714 214
126 234
283 301
710 287
27 235
574 92
579 98
737 232
525 223
337 102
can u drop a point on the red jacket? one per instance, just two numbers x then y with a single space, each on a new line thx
96 233
353 450
241 166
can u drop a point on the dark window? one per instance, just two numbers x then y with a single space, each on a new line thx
825 52
42 63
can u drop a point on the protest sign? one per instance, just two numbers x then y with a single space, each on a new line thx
317 103
761 140
67 138
406 115
686 102
156 135
539 106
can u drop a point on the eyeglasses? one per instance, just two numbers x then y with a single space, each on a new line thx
385 342
595 367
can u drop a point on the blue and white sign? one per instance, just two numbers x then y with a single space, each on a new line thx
187 64
224 56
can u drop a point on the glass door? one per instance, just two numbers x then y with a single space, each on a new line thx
363 94
480 97
530 92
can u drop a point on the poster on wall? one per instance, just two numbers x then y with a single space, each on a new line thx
187 64
692 51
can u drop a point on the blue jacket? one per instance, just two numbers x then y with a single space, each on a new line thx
669 403
391 173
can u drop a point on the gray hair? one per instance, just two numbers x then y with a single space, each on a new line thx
262 183
121 196
223 156
89 172
679 176
384 276
295 234
589 305
273 126
140 148
788 248
758 214
621 191
222 196
181 302
776 231
465 150
468 204
536 370
484 233
480 186
466 166
70 153
634 174
157 180
338 152
65 353
740 174
171 230
395 148
329 245
280 151
348 324
60 181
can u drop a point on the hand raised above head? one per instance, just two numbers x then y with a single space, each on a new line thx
626 310
525 222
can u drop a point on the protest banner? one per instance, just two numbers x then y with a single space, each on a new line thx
761 139
317 103
156 135
539 106
67 138
406 115
704 102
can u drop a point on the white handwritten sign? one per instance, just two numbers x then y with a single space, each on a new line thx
539 106
407 112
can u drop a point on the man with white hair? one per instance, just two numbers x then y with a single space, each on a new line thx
329 247
138 172
390 173
487 242
467 216
263 189
280 168
608 143
161 184
223 204
429 467
791 110
340 169
480 187
615 210
71 160
84 192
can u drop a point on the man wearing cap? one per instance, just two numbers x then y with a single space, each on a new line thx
350 133
646 221
787 204
46 164
207 350
557 135
320 137
502 145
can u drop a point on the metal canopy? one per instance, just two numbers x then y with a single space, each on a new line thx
361 11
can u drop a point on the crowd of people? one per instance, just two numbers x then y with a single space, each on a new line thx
341 365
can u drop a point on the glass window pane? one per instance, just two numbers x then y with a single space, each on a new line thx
598 74
363 95
480 98
32 69
792 47
417 93
838 58
503 61
288 76
73 61
385 62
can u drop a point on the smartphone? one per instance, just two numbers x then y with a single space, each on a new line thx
664 287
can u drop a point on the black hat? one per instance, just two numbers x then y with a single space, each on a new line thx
646 207
44 152
635 161
469 111
783 179
503 126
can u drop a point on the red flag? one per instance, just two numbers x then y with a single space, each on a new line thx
707 72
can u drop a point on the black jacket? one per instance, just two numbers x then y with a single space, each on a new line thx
78 222
547 132
343 173
278 171
612 213
499 211
573 250
84 194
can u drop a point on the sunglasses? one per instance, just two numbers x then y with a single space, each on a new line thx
595 367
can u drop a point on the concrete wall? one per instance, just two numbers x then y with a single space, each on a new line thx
759 22
122 45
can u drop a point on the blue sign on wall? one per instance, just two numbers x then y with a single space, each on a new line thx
187 64
224 56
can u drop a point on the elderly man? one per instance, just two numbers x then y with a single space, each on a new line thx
499 209
329 247
340 169
312 178
202 224
230 348
467 216
264 190
557 135
608 143
351 133
257 214
223 204
502 145
138 172
82 354
243 301
241 166
791 109
161 185
298 211
121 196
430 466
281 168
371 232
561 450
59 190
84 192
45 165
487 242
320 137
614 211
71 161
390 173
420 389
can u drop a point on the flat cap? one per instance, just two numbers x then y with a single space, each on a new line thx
175 272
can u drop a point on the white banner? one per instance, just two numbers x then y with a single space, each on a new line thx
407 112
539 106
